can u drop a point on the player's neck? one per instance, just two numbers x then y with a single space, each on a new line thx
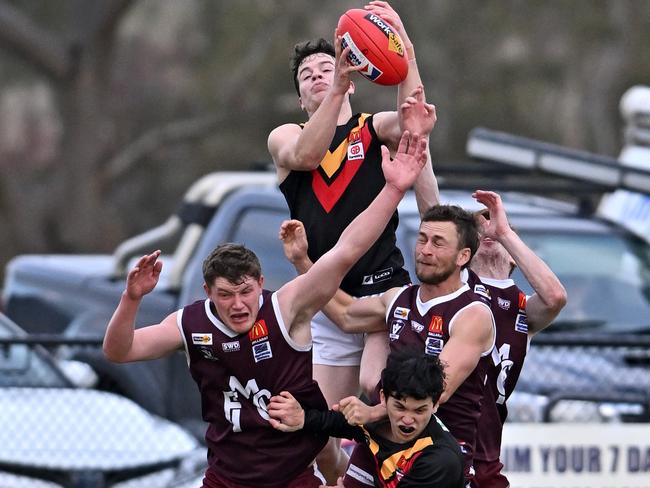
493 267
344 114
447 287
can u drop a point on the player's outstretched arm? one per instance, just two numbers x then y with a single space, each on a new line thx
121 342
550 296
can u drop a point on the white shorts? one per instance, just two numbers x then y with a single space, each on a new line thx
332 346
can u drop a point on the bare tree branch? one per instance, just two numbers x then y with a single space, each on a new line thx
173 133
98 18
38 46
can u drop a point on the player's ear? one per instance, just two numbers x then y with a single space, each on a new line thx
206 288
352 88
260 281
382 397
435 407
302 107
463 257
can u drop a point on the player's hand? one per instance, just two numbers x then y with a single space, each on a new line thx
342 67
286 413
294 240
408 162
386 13
416 115
497 226
144 276
339 484
356 412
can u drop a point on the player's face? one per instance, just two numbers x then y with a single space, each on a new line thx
315 76
237 304
437 256
491 251
408 417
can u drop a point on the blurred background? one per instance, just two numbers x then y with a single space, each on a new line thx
110 109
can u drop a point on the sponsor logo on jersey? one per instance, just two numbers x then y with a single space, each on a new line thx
396 327
521 323
503 303
207 353
435 326
355 151
230 346
259 331
202 339
482 291
417 326
522 301
381 275
401 313
354 136
262 351
433 346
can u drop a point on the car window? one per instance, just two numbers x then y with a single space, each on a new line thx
606 277
257 228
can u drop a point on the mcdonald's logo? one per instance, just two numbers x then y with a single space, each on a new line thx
435 326
522 301
258 330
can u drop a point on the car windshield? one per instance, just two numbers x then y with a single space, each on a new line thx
607 278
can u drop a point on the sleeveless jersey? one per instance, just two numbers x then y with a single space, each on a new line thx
329 197
427 326
237 374
508 304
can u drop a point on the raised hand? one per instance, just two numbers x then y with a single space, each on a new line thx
384 11
342 67
294 240
285 412
415 115
497 225
144 276
409 160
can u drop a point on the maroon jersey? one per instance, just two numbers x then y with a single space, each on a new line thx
508 304
427 325
237 374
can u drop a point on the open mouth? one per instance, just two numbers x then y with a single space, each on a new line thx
406 430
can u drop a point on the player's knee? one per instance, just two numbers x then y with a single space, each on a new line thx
368 382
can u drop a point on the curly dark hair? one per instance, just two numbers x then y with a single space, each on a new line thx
306 49
413 374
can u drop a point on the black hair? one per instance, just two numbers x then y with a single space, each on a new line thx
233 262
306 49
413 374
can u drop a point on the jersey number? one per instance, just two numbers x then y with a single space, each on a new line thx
500 357
232 405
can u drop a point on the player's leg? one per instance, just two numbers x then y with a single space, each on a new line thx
373 361
336 358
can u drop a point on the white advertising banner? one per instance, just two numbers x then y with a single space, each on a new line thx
577 455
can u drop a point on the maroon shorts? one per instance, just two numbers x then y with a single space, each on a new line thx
488 475
306 479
